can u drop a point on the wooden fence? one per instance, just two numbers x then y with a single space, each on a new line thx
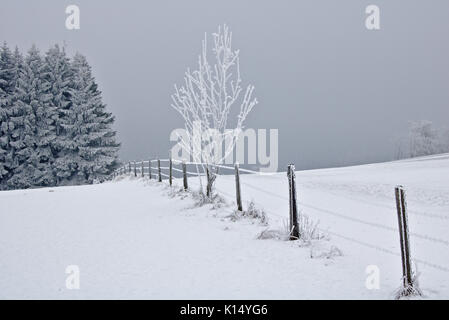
154 170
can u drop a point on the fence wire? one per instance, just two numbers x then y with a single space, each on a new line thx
202 173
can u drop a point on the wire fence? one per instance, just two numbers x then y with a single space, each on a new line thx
173 169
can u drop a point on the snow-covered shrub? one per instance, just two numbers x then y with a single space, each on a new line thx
308 231
282 234
252 213
409 291
202 199
199 198
178 192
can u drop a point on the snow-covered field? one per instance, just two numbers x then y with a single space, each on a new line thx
132 238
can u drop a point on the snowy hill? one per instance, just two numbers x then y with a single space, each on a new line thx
132 238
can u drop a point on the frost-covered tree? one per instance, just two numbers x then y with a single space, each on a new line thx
206 99
94 137
58 78
30 102
8 78
424 139
445 140
16 123
54 127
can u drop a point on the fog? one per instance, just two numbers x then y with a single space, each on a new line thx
339 94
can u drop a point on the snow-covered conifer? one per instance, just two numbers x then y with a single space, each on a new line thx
94 136
30 101
59 131
8 79
54 127
16 125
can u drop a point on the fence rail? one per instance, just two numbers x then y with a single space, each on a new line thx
154 170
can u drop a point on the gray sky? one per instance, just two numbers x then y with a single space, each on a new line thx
338 93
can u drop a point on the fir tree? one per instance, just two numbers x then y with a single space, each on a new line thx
30 100
54 127
8 79
94 136
58 79
16 124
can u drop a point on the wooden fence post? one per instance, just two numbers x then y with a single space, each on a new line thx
294 227
129 168
170 169
407 273
208 181
135 169
237 188
141 168
159 170
184 174
149 168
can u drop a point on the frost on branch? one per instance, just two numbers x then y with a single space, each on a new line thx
207 98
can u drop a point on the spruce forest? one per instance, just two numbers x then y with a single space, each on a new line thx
55 129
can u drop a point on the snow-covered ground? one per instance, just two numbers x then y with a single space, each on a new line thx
132 238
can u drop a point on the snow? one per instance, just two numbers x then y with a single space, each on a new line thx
133 238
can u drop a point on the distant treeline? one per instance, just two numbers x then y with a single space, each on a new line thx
54 128
424 139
